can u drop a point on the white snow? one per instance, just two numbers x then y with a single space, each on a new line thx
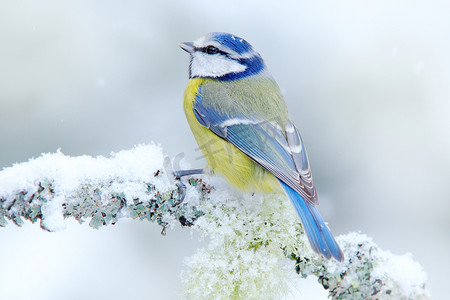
126 170
248 235
407 274
400 274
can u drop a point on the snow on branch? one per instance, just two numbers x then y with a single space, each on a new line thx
54 187
255 243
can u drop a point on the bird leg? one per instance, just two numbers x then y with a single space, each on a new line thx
181 186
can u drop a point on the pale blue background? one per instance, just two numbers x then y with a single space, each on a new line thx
367 83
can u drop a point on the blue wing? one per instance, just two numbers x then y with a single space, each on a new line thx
277 147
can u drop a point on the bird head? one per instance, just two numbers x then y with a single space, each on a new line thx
222 56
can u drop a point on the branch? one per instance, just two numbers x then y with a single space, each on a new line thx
250 236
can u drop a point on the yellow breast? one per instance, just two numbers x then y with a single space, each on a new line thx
224 158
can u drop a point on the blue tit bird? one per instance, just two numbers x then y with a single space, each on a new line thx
240 121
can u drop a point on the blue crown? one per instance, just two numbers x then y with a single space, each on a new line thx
254 63
231 41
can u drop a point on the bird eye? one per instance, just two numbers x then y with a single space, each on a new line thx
211 50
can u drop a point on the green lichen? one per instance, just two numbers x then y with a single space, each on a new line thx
251 242
101 209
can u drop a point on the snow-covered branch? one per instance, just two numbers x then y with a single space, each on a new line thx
54 187
255 243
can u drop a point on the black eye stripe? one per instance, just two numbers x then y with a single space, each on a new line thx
205 50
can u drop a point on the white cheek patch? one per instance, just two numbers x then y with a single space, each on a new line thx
216 65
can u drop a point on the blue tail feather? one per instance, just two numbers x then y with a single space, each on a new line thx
320 237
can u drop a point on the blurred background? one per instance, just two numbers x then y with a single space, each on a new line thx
367 83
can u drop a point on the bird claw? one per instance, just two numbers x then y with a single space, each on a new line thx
181 186
181 190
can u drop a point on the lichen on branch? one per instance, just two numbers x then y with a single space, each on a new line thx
255 242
